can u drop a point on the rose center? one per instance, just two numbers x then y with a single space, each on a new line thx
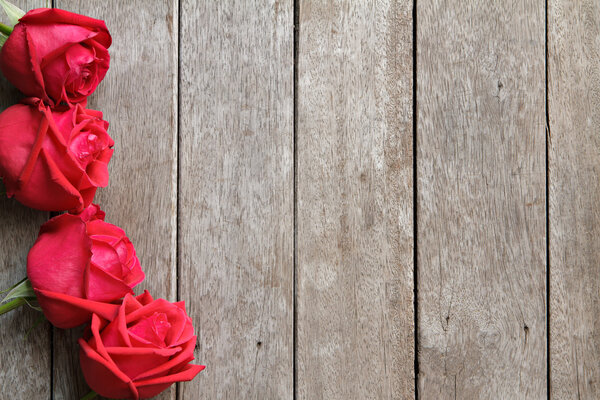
86 146
152 329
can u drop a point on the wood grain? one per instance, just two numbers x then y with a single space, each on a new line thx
236 195
25 371
481 200
139 99
574 169
355 335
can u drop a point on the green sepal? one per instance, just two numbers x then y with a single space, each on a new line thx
89 396
19 295
14 13
21 290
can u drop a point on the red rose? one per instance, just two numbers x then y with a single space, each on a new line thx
78 263
56 55
54 160
140 352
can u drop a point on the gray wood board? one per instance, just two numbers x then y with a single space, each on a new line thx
481 200
574 166
236 195
355 328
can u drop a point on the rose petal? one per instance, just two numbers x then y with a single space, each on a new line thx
152 329
19 128
103 377
57 16
185 356
136 274
103 286
91 213
58 259
105 256
133 361
66 312
159 305
145 298
115 333
179 320
97 171
151 387
104 231
17 62
87 195
185 335
130 304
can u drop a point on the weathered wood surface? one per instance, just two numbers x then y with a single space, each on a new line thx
236 196
574 173
25 370
139 99
218 206
354 201
481 200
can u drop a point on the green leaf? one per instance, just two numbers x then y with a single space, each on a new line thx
22 290
14 13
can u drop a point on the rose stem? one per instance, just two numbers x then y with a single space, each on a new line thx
11 305
7 30
90 395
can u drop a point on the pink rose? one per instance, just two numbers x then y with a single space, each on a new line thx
54 160
79 263
145 348
56 55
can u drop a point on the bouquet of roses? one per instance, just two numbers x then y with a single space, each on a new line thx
54 154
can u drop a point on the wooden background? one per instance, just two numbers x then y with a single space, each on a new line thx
385 199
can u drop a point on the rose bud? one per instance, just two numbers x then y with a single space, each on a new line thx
56 55
141 351
54 160
78 264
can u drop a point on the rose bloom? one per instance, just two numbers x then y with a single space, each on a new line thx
141 351
56 55
54 160
79 263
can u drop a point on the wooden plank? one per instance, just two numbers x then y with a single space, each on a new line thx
26 371
139 99
481 200
355 201
574 194
236 195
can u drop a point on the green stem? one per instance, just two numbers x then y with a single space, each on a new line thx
7 30
90 395
11 305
